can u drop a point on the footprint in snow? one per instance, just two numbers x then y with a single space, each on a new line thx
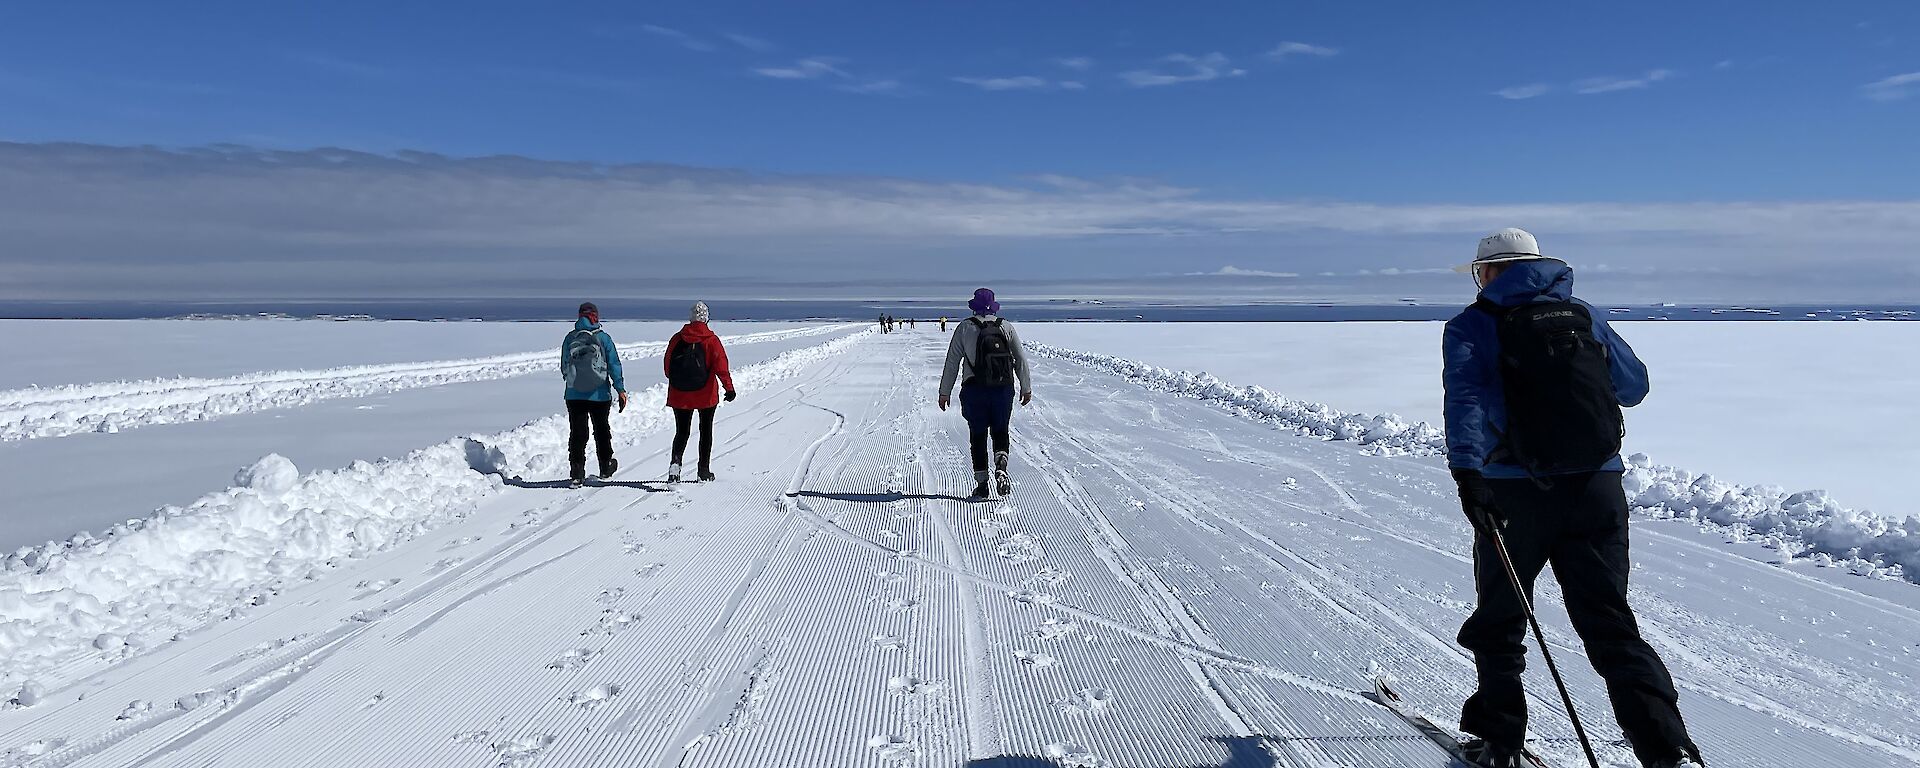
444 564
1034 659
611 622
522 751
372 588
1055 629
1020 548
610 595
1073 755
1086 701
648 570
595 696
991 528
891 747
25 753
887 642
901 604
571 660
1031 597
908 685
136 709
1047 577
458 543
632 548
656 515
667 533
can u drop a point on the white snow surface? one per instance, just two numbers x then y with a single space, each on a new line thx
1173 582
1827 405
110 407
1803 524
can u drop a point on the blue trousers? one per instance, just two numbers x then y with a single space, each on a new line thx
989 412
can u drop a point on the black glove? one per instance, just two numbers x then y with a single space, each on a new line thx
1476 499
730 395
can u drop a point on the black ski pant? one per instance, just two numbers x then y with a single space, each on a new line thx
682 424
579 414
989 414
1577 523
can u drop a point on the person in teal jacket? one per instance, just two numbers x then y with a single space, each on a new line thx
590 405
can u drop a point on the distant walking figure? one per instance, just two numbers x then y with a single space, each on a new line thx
591 366
696 367
1535 380
987 351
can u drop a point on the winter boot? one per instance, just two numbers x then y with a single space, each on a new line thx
1482 754
607 469
576 475
1686 759
1000 477
980 489
706 476
673 472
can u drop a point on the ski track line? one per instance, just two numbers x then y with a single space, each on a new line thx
983 736
1203 655
35 413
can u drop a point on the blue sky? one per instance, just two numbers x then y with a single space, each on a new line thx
1792 109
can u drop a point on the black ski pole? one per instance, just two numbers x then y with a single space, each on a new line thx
1526 605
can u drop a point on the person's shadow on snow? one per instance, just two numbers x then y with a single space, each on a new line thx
638 485
1242 752
879 498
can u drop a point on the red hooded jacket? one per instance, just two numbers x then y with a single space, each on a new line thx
709 396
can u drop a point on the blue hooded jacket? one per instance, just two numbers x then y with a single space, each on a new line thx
1476 409
605 392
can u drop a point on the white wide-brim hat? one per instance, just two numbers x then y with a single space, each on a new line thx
1510 244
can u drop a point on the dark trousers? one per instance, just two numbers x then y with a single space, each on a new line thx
682 424
1578 523
989 413
579 414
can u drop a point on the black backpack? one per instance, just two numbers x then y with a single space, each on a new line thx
687 370
993 363
1562 413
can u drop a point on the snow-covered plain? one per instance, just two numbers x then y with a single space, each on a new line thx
1802 405
1174 582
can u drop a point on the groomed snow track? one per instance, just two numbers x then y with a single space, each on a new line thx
1170 585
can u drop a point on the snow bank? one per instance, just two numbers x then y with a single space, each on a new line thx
40 412
145 582
1806 524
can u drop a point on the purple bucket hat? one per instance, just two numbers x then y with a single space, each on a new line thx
983 303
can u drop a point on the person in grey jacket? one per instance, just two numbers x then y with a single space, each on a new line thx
987 349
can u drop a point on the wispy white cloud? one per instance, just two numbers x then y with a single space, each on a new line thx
1518 92
1184 69
1233 271
1020 83
749 42
1291 48
685 40
1593 85
1075 63
1723 64
1893 88
811 68
78 213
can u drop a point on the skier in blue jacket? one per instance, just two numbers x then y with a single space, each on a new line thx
1574 517
591 366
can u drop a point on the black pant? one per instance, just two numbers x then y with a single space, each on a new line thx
989 412
1579 524
579 413
682 422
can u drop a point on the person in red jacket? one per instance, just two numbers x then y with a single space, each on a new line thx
696 367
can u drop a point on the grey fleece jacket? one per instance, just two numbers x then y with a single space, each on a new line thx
966 344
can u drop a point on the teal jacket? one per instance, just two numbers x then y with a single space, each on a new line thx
605 392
